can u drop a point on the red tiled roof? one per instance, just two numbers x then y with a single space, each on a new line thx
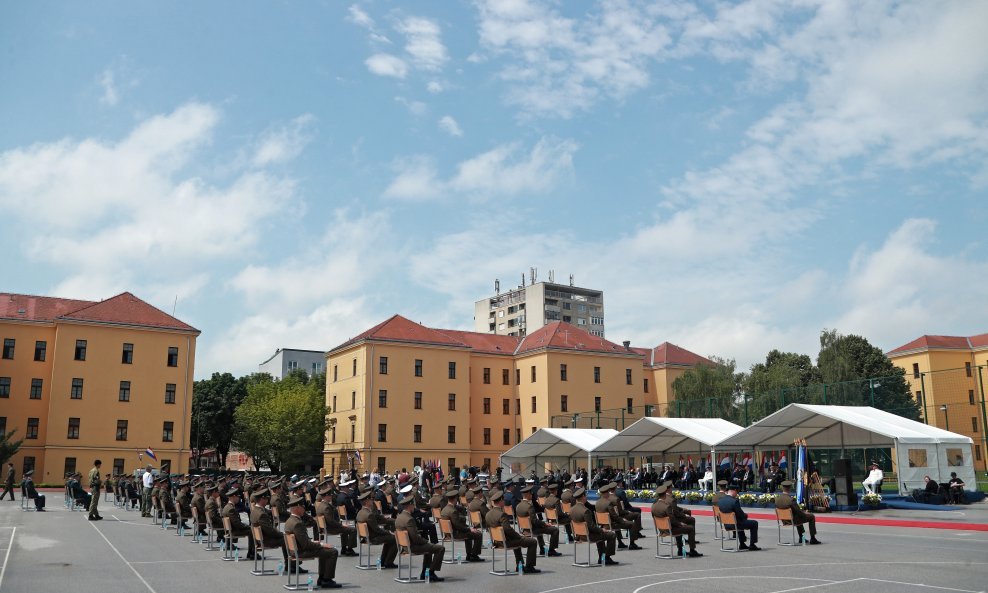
127 309
398 329
979 341
486 343
565 336
923 342
36 308
666 353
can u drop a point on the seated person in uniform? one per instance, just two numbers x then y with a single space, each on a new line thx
29 491
799 516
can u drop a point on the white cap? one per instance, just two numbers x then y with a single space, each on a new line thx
406 489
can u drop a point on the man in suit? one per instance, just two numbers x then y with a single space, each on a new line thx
237 527
800 517
433 553
334 526
496 517
95 485
261 517
29 491
307 548
729 503
8 485
378 534
456 515
528 508
664 507
606 540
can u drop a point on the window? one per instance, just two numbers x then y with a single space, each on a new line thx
69 465
534 428
354 373
336 372
487 376
967 368
76 392
80 349
40 350
28 464
915 370
596 374
452 402
533 373
121 430
646 385
451 464
382 464
382 398
517 376
353 432
974 424
36 388
977 453
567 306
418 400
596 404
166 466
506 435
487 405
118 466
418 367
417 433
292 365
382 433
73 428
452 370
596 320
562 372
124 391
564 403
8 348
631 406
168 432
517 435
487 436
417 461
506 406
32 428
5 387
169 393
332 433
127 357
505 377
627 376
173 356
353 399
517 407
970 396
333 409
3 425
533 404
384 365
450 434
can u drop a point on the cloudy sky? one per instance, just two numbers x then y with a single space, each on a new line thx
735 176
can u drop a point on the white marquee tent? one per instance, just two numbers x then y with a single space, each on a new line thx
559 446
920 449
655 436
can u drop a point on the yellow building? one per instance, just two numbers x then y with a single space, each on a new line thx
82 380
946 375
403 394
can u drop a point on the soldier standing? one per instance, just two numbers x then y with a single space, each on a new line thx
95 485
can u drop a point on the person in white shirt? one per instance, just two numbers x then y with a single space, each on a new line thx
707 483
874 477
147 480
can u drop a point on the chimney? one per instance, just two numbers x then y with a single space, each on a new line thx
627 344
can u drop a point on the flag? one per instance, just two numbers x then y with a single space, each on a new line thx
150 453
801 474
357 456
765 462
689 460
681 461
726 460
746 461
783 463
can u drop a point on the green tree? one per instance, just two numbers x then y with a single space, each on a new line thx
784 378
282 424
8 446
858 373
707 391
214 402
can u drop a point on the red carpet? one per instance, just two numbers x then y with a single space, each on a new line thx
859 520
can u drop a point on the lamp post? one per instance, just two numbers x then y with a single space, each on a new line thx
575 419
946 418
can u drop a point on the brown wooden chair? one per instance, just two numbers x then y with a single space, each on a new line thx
363 548
341 512
552 516
566 507
255 532
405 551
499 542
663 532
437 514
784 517
179 530
154 510
446 529
228 541
525 527
510 511
581 535
729 523
295 562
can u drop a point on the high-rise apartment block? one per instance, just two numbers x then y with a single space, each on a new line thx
527 308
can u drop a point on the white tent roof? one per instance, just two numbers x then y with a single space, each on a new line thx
837 427
668 435
559 443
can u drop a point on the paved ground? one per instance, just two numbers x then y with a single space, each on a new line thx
62 551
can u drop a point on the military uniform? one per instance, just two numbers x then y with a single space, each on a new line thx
434 553
378 535
496 517
237 527
800 517
606 540
527 508
309 549
348 535
473 540
270 536
664 508
95 484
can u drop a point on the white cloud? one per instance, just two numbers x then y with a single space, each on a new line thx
502 171
359 17
416 108
110 95
450 126
435 87
387 65
284 143
423 43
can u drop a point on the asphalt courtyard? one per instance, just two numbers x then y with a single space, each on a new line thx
60 550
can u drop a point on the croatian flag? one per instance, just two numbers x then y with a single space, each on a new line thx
357 456
726 460
689 460
783 463
746 461
150 453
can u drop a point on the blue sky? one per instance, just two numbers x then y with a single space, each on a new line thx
735 176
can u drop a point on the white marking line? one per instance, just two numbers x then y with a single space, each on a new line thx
817 586
884 537
171 561
134 522
6 557
760 577
920 585
735 568
129 565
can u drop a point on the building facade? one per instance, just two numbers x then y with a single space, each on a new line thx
403 394
946 375
286 360
82 380
526 309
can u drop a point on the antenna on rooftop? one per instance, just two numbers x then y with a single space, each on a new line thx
523 279
571 279
497 286
174 305
552 276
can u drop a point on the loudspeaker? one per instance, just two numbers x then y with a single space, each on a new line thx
842 468
844 483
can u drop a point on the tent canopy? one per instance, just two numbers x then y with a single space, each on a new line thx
668 435
558 443
838 427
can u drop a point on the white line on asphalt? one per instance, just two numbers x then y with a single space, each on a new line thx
820 582
920 585
129 565
6 557
817 586
171 561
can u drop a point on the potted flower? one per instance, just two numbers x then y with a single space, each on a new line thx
646 494
766 500
694 497
631 494
872 499
709 497
679 495
747 499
